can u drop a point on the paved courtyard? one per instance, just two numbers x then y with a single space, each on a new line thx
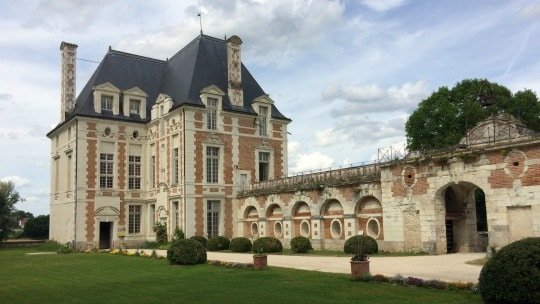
450 267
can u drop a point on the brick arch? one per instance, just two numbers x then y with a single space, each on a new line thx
274 220
301 219
369 216
250 216
332 219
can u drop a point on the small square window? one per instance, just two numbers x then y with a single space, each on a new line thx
106 102
134 106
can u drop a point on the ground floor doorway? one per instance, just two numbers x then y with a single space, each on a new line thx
105 235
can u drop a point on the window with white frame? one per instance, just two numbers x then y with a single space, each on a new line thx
211 113
263 114
212 164
134 106
134 223
175 167
264 165
106 102
106 175
212 218
134 172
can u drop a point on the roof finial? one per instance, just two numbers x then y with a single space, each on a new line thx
199 14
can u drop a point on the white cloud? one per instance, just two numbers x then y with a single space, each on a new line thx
372 98
17 180
5 96
382 5
292 148
329 137
312 161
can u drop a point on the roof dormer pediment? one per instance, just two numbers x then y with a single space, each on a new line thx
107 87
264 99
162 98
213 90
135 91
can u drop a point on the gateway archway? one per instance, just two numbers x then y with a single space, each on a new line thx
465 218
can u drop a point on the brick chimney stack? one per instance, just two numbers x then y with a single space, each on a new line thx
234 71
69 54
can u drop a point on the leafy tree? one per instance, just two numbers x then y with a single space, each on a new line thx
38 227
8 198
443 118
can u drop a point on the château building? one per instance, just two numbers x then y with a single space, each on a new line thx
170 141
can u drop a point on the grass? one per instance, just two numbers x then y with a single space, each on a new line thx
106 278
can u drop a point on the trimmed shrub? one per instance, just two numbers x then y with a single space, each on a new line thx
161 233
217 243
178 234
300 244
186 252
512 275
200 239
267 245
240 244
353 244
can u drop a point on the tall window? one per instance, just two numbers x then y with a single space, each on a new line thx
106 102
106 170
263 114
264 165
152 215
212 164
175 213
134 172
68 185
134 106
153 164
175 166
211 114
134 219
212 218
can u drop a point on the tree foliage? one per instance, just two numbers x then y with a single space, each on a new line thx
37 227
8 198
443 118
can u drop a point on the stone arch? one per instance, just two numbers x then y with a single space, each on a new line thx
274 220
251 222
301 219
332 219
369 216
456 220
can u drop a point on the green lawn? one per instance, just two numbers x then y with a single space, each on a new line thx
106 278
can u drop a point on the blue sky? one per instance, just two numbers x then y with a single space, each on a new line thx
347 72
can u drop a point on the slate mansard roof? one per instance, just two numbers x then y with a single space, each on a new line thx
201 63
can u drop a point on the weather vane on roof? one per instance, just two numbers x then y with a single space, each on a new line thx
199 14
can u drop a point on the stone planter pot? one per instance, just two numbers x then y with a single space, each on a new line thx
358 268
260 262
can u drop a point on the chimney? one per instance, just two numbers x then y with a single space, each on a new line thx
234 71
69 54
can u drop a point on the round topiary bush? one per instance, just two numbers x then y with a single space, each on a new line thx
240 244
267 245
200 239
217 243
186 252
512 275
353 243
300 244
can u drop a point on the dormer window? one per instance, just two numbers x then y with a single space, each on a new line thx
106 102
134 106
263 115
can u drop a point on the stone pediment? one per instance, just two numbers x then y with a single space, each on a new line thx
135 91
502 128
264 99
163 97
107 87
212 90
107 211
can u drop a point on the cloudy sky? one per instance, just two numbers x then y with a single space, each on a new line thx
347 72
